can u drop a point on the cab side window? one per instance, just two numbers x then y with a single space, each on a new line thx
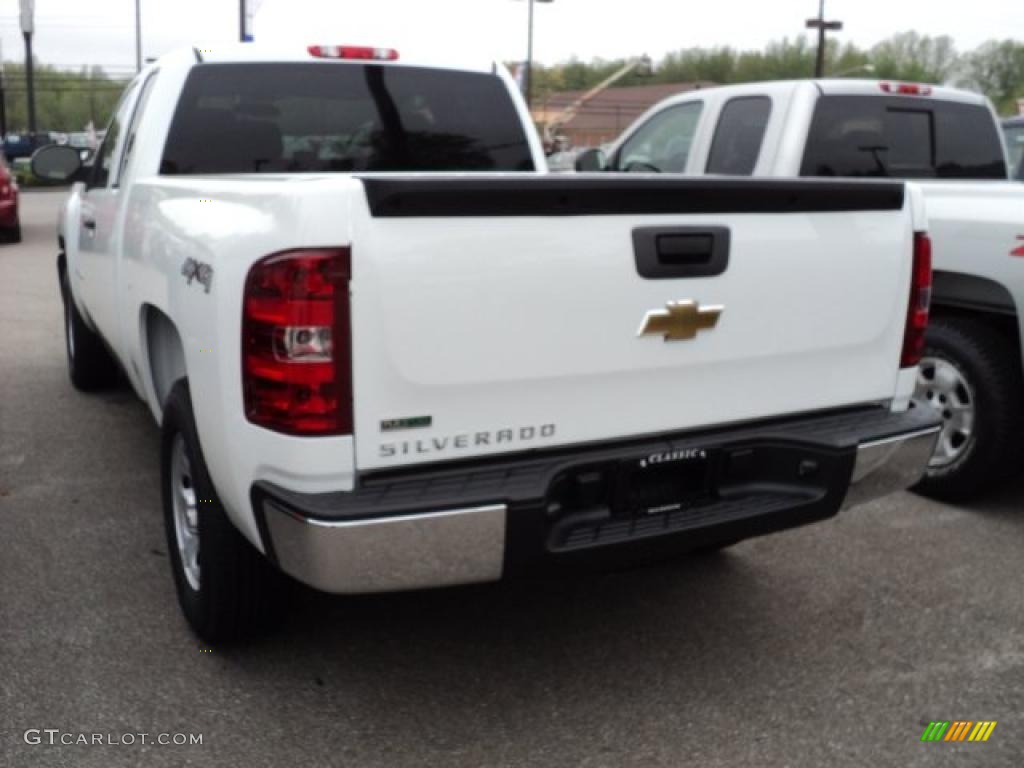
739 136
103 163
663 143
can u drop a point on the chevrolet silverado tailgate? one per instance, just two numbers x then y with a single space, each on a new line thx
510 313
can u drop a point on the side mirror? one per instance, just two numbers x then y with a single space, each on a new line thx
591 160
57 163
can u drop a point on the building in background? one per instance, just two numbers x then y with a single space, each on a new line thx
606 115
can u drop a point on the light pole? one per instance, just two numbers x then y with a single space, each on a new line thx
246 13
27 27
3 102
138 35
822 26
528 75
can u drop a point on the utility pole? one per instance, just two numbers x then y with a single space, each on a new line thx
27 27
3 101
246 14
822 26
528 73
138 35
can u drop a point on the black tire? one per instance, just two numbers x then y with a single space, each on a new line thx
990 365
13 235
90 365
239 594
710 550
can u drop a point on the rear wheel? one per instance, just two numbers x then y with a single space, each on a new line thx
970 375
709 550
226 588
90 365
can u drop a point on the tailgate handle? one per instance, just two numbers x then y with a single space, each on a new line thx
673 252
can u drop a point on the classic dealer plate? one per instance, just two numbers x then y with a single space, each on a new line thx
661 483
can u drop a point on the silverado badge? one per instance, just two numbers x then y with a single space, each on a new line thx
680 320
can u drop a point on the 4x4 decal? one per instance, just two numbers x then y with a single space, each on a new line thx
197 270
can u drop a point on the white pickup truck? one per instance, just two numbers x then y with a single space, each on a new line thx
949 143
387 351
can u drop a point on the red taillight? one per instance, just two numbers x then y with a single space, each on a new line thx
296 356
352 52
906 89
920 301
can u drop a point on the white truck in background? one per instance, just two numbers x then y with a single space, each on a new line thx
949 143
387 353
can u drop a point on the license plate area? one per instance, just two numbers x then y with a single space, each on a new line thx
651 487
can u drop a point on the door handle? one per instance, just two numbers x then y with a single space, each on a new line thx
673 252
89 224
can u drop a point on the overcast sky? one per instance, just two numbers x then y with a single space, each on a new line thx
79 32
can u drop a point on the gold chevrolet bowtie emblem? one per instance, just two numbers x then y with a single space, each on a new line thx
680 320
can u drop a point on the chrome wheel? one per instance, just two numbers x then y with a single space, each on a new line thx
186 512
941 385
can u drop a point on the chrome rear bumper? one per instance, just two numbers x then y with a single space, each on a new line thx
890 465
444 527
435 549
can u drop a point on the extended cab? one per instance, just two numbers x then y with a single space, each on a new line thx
387 351
949 143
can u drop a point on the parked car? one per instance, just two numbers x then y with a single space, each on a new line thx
10 221
18 145
946 140
1013 127
386 352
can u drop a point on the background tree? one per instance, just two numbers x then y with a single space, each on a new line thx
65 101
997 70
910 56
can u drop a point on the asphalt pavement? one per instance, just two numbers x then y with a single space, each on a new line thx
832 645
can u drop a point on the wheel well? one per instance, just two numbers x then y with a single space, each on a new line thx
971 292
165 353
956 295
1006 325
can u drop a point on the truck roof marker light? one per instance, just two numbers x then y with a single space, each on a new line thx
352 52
906 89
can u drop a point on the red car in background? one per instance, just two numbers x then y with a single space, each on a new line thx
10 224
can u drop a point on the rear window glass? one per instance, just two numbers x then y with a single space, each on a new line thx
903 138
739 135
317 117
